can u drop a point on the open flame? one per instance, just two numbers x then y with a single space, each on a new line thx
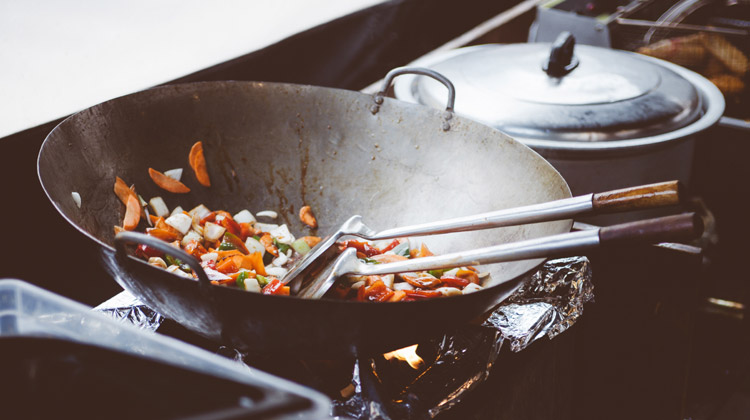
407 354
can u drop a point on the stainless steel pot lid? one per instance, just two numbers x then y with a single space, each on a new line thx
540 91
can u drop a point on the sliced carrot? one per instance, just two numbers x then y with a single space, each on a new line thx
170 184
227 266
388 258
162 234
307 217
122 190
198 162
132 214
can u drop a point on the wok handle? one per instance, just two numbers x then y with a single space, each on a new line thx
447 115
633 198
663 229
123 238
641 197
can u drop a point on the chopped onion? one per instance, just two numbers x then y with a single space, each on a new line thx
280 260
282 235
265 227
449 291
174 173
267 213
253 245
175 269
215 275
210 256
176 210
191 236
76 198
451 272
199 212
483 274
402 286
212 231
159 207
471 287
180 221
158 262
276 271
244 216
252 285
388 280
401 249
358 284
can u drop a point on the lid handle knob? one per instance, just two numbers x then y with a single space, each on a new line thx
561 59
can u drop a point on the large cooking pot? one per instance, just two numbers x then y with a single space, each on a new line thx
604 118
282 146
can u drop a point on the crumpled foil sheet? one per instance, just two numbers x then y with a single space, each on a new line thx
128 308
549 303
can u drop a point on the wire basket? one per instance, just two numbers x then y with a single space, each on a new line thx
709 37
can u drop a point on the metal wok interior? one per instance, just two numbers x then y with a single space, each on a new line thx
279 147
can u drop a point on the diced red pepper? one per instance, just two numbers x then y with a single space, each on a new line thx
363 247
230 225
147 252
421 294
274 287
390 246
453 281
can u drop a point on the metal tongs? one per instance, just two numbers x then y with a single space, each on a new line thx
319 277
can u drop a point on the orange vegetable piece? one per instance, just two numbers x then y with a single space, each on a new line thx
397 296
162 234
307 217
253 261
198 163
267 241
470 275
311 241
170 184
122 190
132 213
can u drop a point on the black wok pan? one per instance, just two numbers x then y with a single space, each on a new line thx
279 147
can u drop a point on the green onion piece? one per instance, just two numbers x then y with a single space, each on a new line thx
282 247
437 273
241 279
301 246
256 237
262 280
370 261
172 260
226 246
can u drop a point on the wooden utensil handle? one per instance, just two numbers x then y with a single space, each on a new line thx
646 196
663 229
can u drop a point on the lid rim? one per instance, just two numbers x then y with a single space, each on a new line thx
706 100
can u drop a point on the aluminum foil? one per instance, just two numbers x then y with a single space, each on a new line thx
128 308
549 303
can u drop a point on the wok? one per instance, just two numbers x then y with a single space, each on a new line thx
282 146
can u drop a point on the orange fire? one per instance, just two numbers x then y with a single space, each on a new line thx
407 354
